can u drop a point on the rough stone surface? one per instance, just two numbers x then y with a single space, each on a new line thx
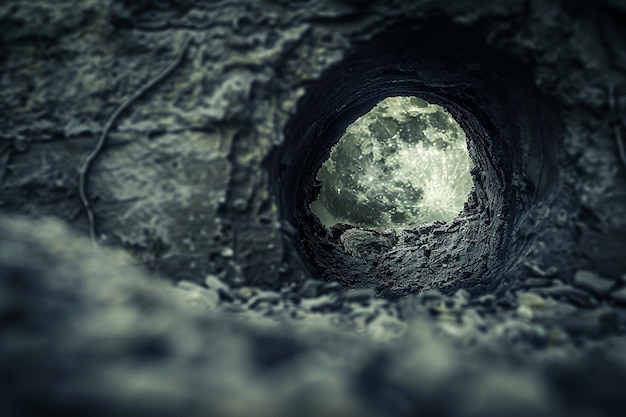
593 282
125 342
366 243
213 291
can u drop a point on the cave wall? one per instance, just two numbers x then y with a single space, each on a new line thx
183 179
183 182
202 180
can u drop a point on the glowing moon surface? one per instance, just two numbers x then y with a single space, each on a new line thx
401 165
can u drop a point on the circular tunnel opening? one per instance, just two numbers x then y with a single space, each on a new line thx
403 164
511 142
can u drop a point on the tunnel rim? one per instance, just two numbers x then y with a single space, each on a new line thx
394 80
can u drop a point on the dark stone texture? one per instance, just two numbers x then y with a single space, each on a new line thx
205 181
85 332
445 64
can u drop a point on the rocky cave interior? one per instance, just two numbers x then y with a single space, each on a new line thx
516 160
185 138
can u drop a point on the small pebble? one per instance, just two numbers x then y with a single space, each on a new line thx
532 301
244 293
592 282
215 283
619 295
359 294
309 289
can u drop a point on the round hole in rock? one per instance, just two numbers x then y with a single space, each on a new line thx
401 165
512 140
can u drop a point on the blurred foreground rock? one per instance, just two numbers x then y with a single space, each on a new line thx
86 333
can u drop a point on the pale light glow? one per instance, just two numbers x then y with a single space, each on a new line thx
403 164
